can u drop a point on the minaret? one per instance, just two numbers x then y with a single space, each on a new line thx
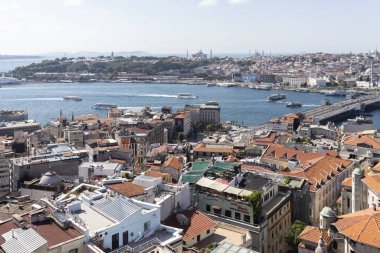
72 116
321 248
357 197
187 54
372 82
210 53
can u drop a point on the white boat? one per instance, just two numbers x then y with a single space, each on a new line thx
294 105
186 95
8 80
103 106
226 84
264 86
72 98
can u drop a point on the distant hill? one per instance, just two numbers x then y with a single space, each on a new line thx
12 57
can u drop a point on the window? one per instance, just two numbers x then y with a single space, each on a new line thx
237 216
73 251
217 211
146 226
227 213
247 218
208 208
208 231
348 202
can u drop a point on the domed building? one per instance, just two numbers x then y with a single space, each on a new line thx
50 184
50 178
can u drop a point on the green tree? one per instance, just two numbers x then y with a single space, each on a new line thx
292 237
254 200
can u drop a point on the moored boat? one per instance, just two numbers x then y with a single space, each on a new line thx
276 97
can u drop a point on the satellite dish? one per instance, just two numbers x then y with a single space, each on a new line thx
182 219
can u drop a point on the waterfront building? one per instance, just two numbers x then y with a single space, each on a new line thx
113 222
13 115
294 81
9 128
316 82
115 113
227 202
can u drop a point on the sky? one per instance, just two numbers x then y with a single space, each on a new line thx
174 26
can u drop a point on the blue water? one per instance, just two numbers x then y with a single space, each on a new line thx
44 101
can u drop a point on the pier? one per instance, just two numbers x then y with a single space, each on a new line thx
343 109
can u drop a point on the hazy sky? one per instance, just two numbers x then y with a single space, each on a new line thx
173 26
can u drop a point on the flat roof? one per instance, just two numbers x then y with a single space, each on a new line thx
93 219
226 247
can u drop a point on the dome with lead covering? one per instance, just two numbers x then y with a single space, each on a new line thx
328 212
50 178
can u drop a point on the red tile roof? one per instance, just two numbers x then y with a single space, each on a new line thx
312 234
198 223
322 171
369 140
362 226
281 153
127 189
173 162
372 182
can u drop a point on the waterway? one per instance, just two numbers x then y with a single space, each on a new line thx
44 101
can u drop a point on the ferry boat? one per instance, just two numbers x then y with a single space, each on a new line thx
104 106
293 105
276 97
72 98
8 80
186 95
210 84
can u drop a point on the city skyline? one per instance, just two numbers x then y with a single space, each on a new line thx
175 26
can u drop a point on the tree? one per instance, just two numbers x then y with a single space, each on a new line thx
292 237
254 200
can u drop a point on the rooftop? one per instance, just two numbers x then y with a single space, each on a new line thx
226 247
127 189
193 223
362 226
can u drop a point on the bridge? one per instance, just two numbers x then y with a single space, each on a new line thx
343 109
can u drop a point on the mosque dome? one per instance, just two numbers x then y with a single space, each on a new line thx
357 171
328 212
50 178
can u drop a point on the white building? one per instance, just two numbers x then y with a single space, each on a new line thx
316 82
90 169
112 222
294 81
